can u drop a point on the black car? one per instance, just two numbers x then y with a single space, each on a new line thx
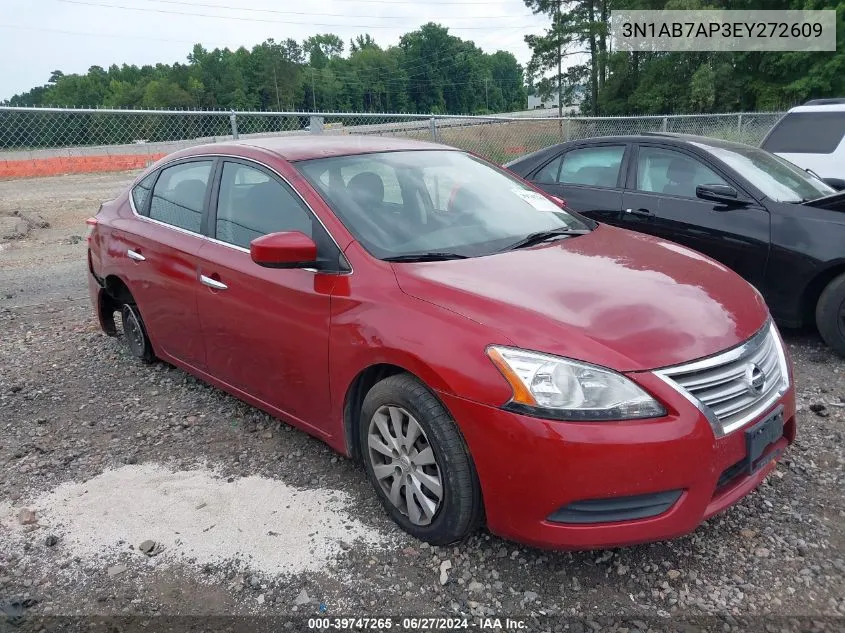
778 226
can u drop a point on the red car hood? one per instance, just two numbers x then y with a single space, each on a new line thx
614 298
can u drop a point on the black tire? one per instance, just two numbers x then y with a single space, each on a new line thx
135 333
460 509
830 314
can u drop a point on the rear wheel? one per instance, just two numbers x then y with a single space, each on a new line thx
417 461
135 333
830 314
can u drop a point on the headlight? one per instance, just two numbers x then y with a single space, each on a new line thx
554 387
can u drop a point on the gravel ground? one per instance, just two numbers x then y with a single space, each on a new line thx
74 405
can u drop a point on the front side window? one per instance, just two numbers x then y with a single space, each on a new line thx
672 173
596 166
252 203
450 202
141 193
777 178
179 195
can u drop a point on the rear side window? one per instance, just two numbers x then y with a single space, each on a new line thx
141 193
179 195
595 166
806 133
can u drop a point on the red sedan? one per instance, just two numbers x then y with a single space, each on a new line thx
489 355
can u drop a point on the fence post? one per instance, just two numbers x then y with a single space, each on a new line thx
666 124
433 125
233 121
315 124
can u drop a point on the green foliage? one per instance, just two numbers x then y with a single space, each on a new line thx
666 83
429 71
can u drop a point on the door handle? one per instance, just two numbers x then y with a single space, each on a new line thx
213 283
641 212
135 255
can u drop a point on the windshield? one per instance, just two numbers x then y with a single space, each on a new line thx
447 202
777 178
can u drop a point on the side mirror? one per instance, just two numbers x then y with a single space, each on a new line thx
290 249
717 193
836 183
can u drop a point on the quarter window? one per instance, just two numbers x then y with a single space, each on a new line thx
141 193
179 195
251 203
672 173
595 166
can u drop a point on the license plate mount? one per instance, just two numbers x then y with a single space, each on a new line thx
760 437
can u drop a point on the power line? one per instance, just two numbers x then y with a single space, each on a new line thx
339 15
266 20
121 36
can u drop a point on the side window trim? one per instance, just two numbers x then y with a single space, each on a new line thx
711 165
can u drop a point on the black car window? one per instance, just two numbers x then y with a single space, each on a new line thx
596 166
806 133
549 173
179 195
141 193
672 173
252 203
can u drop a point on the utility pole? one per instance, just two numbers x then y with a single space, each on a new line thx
486 98
313 92
559 63
276 81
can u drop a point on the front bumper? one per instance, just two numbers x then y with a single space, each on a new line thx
529 468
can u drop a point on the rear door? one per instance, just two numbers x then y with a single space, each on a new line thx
161 257
661 200
589 178
266 330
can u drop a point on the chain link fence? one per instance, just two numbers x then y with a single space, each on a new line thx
24 131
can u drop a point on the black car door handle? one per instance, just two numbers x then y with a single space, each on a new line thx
641 212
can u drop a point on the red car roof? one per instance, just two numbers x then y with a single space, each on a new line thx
307 146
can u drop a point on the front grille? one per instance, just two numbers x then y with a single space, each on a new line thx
734 387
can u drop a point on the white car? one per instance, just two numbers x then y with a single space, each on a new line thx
812 136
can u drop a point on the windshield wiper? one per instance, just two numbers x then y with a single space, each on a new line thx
542 236
431 256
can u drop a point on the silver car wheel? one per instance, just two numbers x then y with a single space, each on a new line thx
404 464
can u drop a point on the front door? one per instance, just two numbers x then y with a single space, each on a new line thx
661 200
266 330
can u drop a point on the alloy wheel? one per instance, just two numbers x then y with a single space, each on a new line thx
404 464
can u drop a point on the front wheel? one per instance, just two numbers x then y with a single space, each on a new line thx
830 314
417 461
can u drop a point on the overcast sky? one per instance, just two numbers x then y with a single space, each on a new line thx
39 36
